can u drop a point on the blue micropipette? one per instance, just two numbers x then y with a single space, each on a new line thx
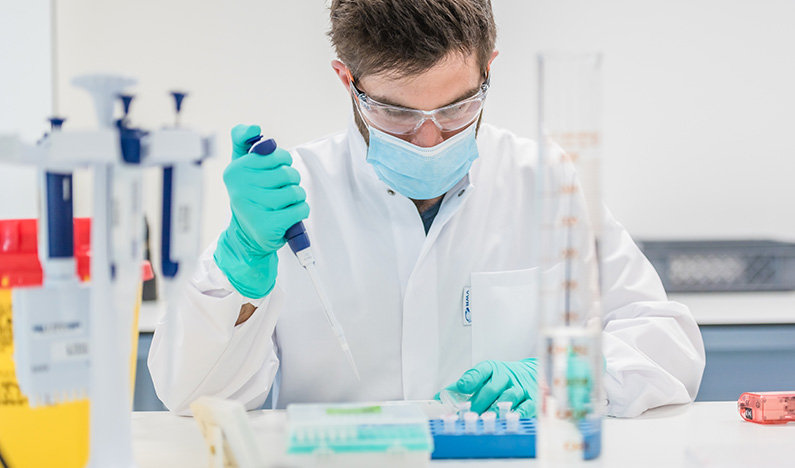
298 240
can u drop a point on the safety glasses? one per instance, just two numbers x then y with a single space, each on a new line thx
400 120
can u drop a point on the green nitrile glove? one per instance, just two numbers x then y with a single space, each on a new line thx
580 384
266 200
491 382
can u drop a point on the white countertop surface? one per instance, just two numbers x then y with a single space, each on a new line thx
704 434
739 308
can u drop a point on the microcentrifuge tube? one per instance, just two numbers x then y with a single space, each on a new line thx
470 422
512 422
489 418
449 421
505 408
463 408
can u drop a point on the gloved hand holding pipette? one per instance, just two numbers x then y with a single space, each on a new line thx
266 200
267 208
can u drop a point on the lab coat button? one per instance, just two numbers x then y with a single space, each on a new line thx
462 192
390 191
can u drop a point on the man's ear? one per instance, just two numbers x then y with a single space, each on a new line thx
493 56
342 73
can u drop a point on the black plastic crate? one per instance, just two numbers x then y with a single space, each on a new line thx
726 265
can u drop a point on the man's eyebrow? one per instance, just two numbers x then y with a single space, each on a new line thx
461 97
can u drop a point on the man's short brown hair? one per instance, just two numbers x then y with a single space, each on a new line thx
405 37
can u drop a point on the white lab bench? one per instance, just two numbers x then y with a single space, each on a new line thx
740 308
704 434
749 339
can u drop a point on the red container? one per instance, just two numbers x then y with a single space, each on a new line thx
19 257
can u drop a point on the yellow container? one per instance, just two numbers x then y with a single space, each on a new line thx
36 437
43 436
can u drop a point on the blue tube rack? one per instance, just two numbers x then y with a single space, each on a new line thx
501 443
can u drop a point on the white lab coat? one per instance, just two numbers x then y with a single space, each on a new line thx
398 294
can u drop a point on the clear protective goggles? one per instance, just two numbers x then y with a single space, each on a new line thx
400 120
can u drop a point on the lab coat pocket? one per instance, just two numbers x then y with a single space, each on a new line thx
504 319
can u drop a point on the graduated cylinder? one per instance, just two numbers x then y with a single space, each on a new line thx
569 228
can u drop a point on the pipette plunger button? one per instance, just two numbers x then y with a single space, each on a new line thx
56 122
178 98
126 100
264 147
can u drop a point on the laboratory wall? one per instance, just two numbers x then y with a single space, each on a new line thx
263 62
26 98
697 102
697 105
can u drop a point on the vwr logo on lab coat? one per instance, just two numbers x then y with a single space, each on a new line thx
466 313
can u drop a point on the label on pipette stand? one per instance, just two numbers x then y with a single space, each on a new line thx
52 342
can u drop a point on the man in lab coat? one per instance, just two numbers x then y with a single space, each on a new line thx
421 227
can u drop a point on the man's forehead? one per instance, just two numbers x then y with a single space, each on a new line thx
448 81
454 63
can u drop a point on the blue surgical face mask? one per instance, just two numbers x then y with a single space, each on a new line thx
421 173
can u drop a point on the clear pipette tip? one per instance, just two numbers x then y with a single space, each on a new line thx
347 350
299 243
321 293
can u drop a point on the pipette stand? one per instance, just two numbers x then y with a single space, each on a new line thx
116 155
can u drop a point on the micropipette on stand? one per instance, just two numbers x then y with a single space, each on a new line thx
298 240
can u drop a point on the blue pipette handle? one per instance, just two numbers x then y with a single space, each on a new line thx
60 240
168 266
296 235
